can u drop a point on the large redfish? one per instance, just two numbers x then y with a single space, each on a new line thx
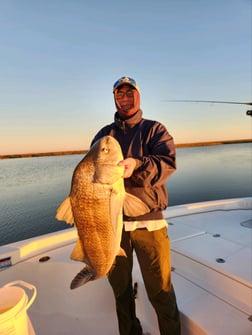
95 206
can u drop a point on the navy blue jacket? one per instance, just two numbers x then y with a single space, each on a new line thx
152 146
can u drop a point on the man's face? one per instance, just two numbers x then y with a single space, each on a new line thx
125 98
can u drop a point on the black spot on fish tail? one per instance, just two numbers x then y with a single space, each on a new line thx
82 277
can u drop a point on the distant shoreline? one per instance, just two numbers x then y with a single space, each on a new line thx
79 152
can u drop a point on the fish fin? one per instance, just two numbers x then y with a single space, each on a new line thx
121 252
64 212
116 204
134 206
78 252
82 277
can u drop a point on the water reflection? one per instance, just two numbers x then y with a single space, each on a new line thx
32 188
210 173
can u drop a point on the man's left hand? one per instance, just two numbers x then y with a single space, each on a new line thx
129 166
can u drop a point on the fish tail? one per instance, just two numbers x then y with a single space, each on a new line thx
82 277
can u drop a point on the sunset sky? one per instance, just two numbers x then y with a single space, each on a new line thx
60 58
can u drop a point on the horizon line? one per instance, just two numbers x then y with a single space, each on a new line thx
84 151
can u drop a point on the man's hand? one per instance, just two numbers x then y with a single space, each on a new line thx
129 166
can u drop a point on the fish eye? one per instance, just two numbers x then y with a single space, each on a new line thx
105 150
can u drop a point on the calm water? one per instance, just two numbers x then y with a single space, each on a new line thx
32 188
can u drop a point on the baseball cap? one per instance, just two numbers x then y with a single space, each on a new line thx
125 80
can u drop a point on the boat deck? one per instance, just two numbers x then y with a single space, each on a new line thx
212 276
212 260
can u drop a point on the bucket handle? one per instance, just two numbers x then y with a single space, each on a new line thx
26 285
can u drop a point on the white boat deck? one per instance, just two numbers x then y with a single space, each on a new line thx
212 257
213 297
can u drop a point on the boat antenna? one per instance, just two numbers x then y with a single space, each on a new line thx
249 112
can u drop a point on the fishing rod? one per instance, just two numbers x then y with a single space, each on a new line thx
249 112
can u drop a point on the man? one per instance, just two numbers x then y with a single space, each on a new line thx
149 160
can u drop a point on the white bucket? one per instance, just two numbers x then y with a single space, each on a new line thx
13 306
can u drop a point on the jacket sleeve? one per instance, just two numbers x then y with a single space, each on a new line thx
159 158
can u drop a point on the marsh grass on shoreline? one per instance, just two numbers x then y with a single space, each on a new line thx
79 152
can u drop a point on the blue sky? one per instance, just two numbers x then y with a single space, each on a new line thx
60 58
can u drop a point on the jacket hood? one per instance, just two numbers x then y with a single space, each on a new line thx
130 122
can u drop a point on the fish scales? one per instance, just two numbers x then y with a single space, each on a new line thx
92 224
95 205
